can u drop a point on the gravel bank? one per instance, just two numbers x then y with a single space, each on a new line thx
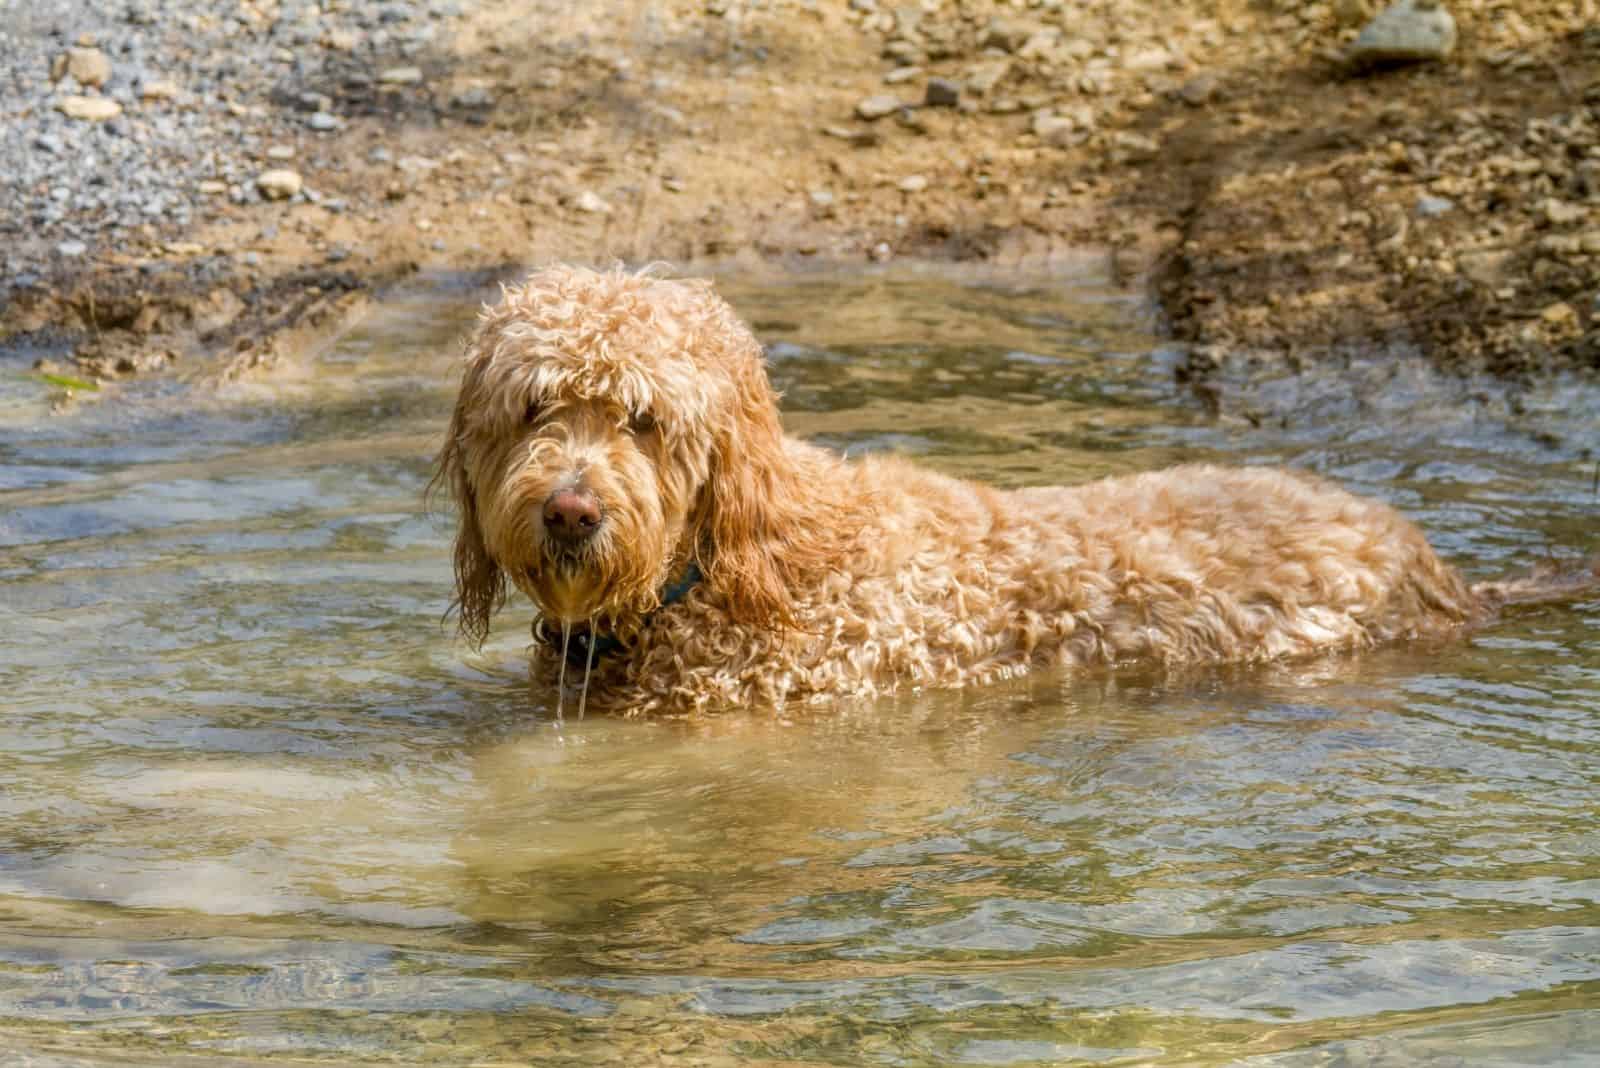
200 99
242 165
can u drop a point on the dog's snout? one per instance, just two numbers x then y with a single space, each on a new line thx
572 515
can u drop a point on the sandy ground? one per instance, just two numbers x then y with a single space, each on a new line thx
1280 204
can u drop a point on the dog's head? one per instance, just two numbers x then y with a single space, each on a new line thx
611 428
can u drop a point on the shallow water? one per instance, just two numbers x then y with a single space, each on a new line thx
257 805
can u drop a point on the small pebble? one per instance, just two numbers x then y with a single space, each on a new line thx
942 93
876 107
86 66
279 184
401 76
89 108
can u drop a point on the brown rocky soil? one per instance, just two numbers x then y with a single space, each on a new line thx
1280 203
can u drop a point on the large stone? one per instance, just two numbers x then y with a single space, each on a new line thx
278 184
89 108
1406 32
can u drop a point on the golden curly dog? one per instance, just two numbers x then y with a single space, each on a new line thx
616 454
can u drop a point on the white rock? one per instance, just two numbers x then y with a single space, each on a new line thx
158 90
1407 31
279 184
1430 206
89 108
401 76
589 202
914 183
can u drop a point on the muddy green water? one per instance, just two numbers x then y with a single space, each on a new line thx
257 806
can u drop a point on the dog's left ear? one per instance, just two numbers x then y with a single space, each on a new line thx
480 584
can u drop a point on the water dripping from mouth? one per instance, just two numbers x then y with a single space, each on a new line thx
561 679
588 667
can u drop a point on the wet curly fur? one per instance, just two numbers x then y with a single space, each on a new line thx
827 577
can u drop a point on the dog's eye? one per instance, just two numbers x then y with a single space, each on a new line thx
641 423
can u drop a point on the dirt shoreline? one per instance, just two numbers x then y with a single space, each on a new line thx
1280 205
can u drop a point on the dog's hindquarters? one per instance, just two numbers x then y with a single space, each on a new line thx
1204 563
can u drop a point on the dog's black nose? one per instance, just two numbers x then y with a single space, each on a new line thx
572 515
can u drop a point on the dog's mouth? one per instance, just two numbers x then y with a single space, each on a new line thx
568 562
566 583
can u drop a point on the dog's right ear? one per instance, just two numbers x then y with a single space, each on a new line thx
762 526
480 584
